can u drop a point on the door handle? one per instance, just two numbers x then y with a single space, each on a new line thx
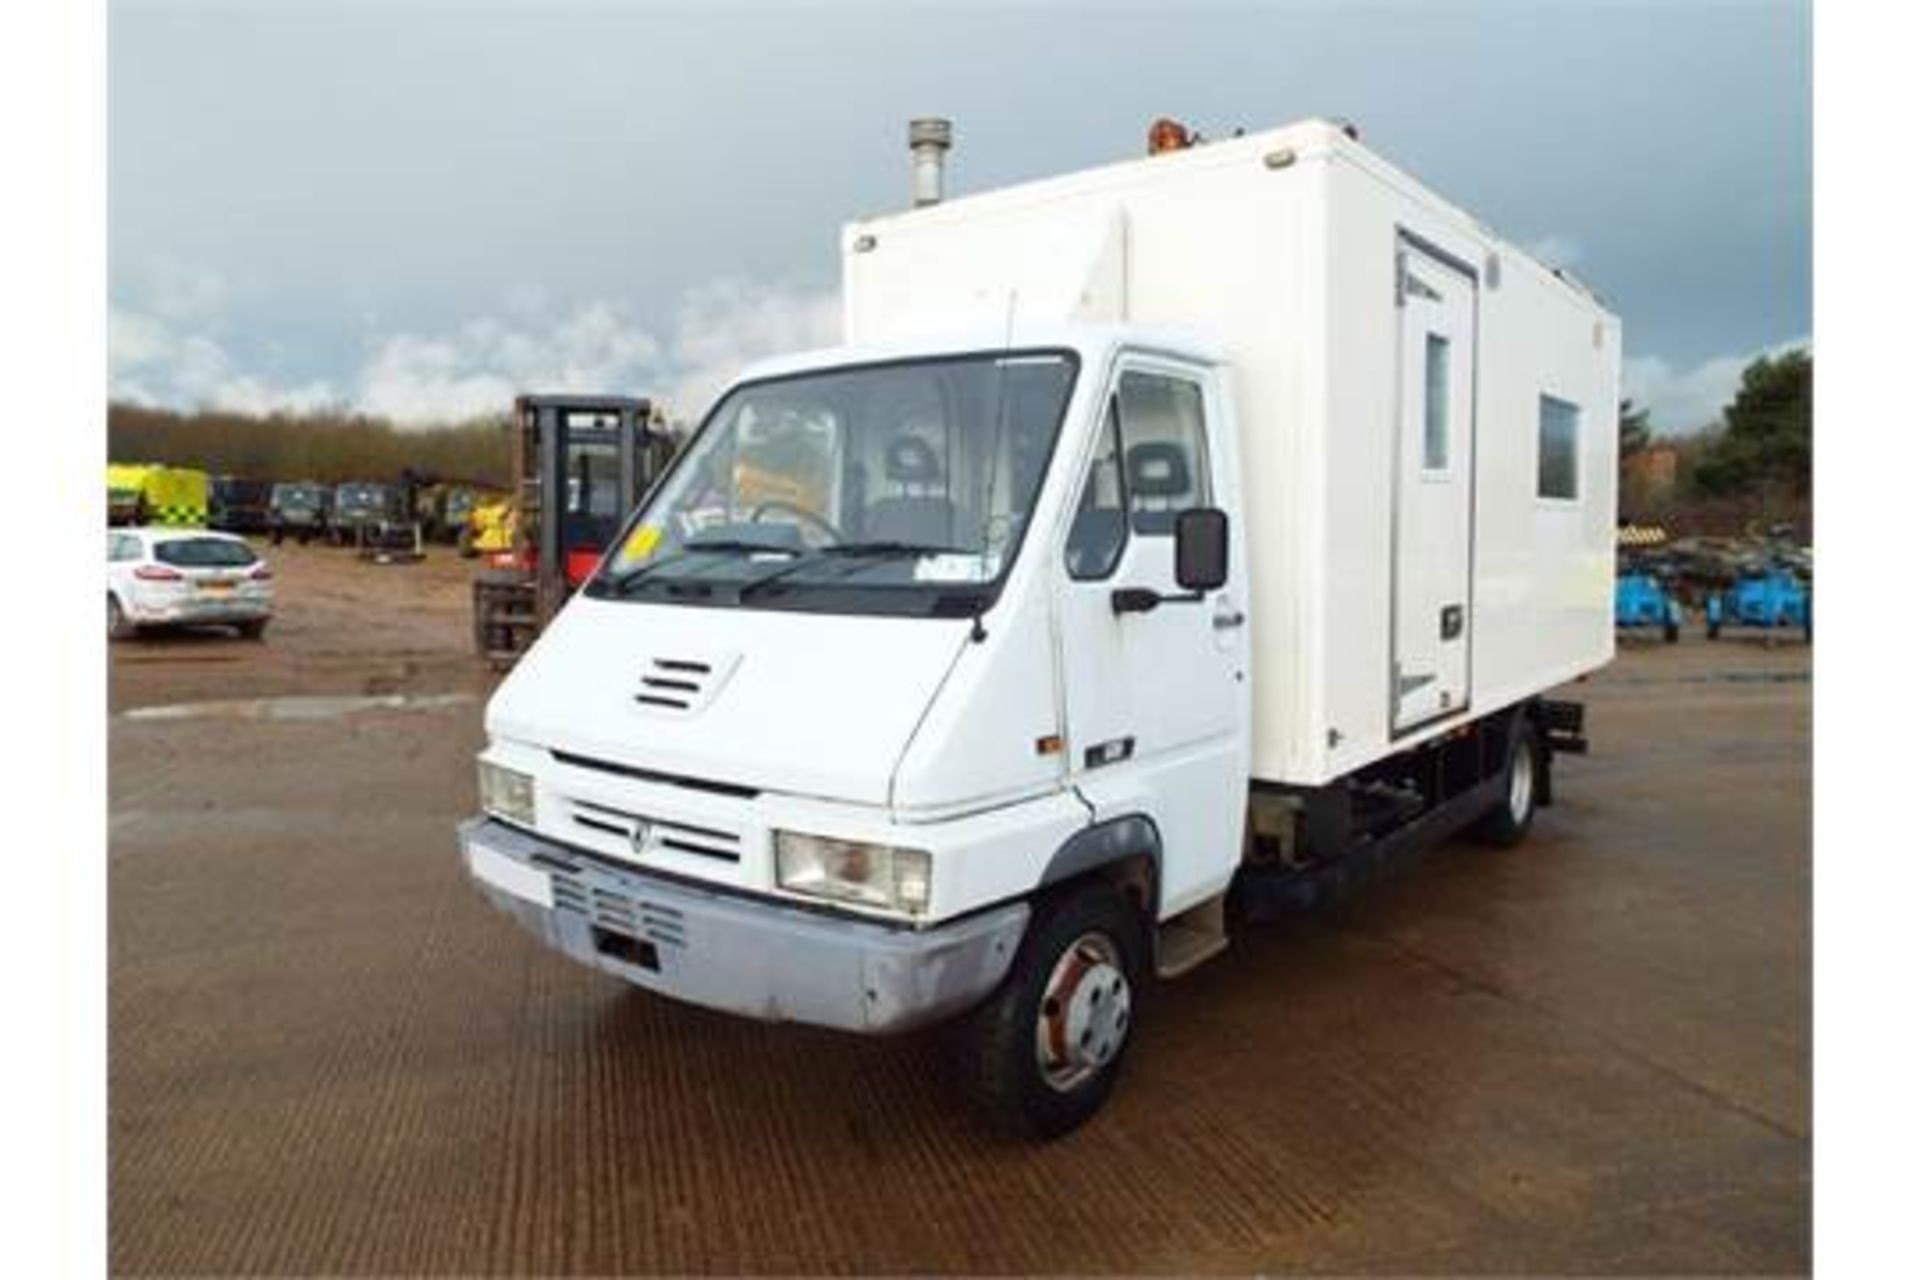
1228 621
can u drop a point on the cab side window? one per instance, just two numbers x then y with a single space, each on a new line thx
1164 424
122 547
1099 531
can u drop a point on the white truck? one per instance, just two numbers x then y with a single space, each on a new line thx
1168 542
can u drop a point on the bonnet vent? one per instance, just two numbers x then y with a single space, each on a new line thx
682 685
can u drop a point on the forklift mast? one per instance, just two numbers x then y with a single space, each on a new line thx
583 463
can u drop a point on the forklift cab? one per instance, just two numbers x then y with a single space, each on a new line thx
581 465
587 459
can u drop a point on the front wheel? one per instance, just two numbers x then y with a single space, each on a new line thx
1042 1054
1509 822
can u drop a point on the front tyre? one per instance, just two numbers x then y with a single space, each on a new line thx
1508 823
1042 1054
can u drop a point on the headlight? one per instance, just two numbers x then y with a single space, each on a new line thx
506 793
874 875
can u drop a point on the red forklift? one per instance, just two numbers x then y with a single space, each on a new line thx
580 467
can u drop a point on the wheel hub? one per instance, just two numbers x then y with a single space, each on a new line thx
1085 1013
1520 786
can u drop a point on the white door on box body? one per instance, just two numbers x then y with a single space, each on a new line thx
1433 490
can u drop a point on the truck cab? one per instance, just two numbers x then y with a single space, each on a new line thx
900 642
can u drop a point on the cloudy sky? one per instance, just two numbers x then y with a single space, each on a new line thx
417 207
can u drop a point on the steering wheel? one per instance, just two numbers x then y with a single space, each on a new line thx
806 517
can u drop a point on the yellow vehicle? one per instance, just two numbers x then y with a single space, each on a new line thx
147 493
489 529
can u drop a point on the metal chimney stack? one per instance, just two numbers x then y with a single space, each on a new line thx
929 138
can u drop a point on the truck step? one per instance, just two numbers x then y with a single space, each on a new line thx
1191 938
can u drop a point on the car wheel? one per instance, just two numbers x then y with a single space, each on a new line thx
1508 823
252 629
1672 632
1042 1054
119 625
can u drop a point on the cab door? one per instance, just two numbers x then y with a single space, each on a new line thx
1433 490
1157 702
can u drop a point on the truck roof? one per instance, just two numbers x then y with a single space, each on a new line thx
1291 143
1091 342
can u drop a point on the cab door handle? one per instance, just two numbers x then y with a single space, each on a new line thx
1228 621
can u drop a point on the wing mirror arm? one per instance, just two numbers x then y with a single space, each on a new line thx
1199 563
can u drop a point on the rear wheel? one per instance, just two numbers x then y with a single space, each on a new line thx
119 625
252 629
1508 823
1672 631
1042 1054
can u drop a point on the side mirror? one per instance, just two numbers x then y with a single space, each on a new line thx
1200 549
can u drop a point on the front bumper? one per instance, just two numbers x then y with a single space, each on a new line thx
754 957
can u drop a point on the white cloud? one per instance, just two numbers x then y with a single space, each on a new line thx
479 368
1683 401
169 354
151 360
729 324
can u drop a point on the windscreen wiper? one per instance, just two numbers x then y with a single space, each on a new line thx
891 547
878 548
718 546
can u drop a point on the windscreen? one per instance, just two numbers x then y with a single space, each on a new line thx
593 488
204 553
900 487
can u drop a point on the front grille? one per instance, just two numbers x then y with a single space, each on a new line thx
663 833
664 779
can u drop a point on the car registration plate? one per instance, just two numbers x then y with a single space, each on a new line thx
217 586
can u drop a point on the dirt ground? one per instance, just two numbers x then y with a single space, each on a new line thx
328 1054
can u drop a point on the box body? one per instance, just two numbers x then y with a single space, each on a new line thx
1299 253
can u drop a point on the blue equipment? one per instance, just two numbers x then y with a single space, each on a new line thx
1772 599
1641 599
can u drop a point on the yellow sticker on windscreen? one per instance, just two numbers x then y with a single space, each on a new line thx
641 542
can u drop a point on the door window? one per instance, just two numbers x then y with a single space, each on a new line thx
1099 531
1164 427
1435 452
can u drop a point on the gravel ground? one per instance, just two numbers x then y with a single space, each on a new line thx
328 1055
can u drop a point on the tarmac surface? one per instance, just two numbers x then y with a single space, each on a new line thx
329 1055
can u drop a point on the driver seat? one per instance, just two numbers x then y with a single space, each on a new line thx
923 517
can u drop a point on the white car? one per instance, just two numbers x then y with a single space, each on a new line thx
185 577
